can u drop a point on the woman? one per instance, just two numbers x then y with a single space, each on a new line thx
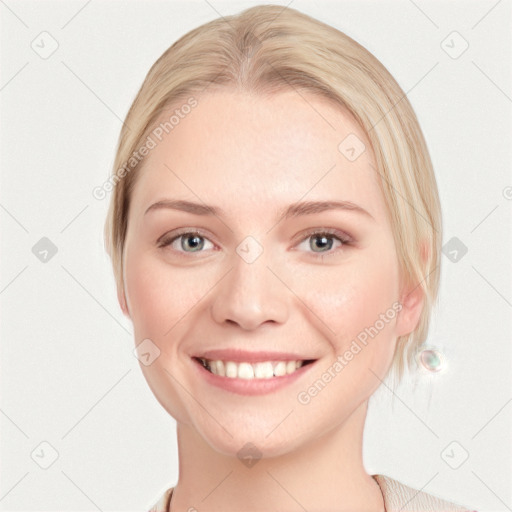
275 234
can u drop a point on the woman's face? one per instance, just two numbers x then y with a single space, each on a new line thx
255 286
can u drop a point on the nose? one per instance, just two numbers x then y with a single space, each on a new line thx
251 294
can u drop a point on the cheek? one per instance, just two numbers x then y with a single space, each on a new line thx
349 299
158 296
349 303
159 299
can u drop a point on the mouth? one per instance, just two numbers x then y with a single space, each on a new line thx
252 370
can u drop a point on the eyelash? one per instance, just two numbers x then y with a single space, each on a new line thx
345 239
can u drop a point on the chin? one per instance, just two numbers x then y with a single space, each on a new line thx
248 448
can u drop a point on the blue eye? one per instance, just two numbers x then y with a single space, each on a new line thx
189 239
325 239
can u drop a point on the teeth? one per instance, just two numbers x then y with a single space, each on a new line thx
280 369
264 370
245 371
231 370
290 366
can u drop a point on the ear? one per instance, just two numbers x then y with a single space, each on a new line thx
412 305
121 297
412 298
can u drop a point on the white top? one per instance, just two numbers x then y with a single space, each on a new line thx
397 498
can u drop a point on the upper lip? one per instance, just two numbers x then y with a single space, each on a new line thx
240 356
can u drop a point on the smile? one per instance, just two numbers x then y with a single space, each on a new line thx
246 370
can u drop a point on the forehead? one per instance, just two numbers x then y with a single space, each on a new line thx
249 151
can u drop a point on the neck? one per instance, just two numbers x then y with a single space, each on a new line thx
325 474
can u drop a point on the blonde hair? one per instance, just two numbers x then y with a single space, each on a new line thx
265 49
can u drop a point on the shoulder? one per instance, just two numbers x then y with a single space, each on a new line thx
162 505
400 497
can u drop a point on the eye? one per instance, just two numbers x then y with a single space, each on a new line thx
324 240
193 240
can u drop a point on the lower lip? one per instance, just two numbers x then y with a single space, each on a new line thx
250 386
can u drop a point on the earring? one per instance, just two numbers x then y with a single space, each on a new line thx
431 360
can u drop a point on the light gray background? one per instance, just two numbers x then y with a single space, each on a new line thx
69 376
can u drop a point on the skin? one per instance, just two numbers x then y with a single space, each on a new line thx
253 156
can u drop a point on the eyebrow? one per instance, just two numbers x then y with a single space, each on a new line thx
292 211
